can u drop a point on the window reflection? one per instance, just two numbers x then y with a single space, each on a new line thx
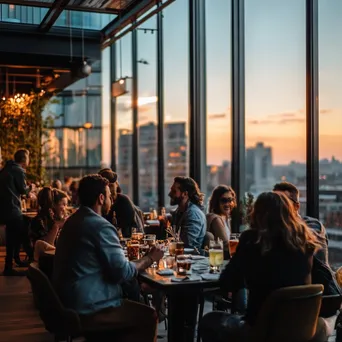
176 85
124 115
147 115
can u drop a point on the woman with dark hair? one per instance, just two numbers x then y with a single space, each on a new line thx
276 252
221 204
51 215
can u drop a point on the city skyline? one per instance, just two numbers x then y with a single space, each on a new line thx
275 76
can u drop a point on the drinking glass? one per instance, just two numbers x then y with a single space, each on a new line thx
233 243
179 248
216 255
138 236
132 250
169 262
150 239
183 264
172 248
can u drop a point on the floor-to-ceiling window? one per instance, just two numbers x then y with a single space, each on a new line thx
124 123
176 92
275 94
330 123
74 145
218 46
147 114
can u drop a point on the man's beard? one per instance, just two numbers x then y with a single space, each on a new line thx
105 210
175 200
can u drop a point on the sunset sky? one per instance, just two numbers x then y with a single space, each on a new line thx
275 75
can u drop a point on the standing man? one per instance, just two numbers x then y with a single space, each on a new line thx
12 186
188 218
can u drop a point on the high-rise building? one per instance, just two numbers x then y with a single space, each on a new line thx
175 160
259 169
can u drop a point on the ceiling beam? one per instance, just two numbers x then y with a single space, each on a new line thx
69 7
126 17
52 15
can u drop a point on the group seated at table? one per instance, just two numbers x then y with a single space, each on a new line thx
92 275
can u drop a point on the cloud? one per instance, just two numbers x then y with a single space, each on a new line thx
217 116
260 122
276 122
283 115
325 111
290 120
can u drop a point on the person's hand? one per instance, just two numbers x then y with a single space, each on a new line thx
155 254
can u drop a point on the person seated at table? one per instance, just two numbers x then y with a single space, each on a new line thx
276 252
52 213
317 226
188 218
221 204
90 268
123 214
57 184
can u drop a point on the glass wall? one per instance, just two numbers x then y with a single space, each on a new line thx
124 122
275 94
147 115
218 45
330 123
176 97
74 146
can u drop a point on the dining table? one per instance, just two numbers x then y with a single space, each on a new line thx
183 296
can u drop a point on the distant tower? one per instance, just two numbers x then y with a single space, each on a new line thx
259 168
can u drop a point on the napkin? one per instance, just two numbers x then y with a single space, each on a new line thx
165 272
210 276
197 257
186 279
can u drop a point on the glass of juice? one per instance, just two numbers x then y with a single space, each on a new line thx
216 255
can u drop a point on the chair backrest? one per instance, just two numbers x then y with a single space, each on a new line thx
289 314
57 319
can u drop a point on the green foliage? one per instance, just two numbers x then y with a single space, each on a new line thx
246 207
22 126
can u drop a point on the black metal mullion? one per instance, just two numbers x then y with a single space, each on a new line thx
312 109
135 142
160 109
197 101
113 60
238 103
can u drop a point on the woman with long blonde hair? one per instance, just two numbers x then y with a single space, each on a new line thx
276 252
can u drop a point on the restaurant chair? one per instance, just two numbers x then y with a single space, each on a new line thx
63 323
290 314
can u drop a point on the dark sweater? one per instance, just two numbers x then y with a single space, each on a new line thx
262 274
124 211
12 185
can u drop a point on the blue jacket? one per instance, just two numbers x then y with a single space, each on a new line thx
90 265
192 225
